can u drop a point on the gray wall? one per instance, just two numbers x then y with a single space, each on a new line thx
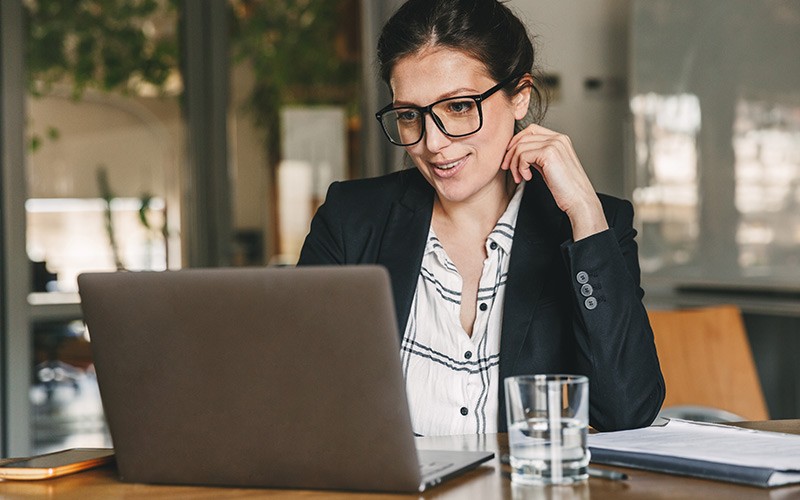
580 42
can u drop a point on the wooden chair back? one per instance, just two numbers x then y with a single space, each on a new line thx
706 360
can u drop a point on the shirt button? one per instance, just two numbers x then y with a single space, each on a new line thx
586 290
582 277
464 411
590 303
484 307
468 354
493 245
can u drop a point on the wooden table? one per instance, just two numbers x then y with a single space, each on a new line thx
487 482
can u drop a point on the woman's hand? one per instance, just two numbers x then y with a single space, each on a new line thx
554 157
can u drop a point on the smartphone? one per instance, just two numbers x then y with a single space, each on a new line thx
55 464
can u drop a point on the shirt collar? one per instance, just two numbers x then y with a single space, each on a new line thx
503 232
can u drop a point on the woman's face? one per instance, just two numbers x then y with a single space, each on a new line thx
462 169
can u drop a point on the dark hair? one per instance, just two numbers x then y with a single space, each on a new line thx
485 29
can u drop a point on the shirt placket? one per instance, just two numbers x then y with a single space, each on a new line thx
475 384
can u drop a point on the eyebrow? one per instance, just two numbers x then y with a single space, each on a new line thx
453 93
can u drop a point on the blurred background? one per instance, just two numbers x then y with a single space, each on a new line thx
161 134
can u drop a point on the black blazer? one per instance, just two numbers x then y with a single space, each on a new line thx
551 323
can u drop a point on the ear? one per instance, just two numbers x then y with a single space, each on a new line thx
522 98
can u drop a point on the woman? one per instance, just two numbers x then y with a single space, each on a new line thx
503 259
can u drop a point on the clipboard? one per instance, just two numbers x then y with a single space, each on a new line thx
704 450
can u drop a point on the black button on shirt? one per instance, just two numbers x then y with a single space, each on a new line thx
484 306
493 245
468 354
464 410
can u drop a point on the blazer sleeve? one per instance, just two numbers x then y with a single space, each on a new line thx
613 334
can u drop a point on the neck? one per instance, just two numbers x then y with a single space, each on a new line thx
481 212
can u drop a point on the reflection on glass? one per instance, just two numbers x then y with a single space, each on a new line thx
666 193
295 109
314 149
65 400
766 142
72 236
124 150
106 145
716 107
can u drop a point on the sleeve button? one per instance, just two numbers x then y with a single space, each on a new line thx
582 277
586 290
590 303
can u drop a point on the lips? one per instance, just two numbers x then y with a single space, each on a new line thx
448 168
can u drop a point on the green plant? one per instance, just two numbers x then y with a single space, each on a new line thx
297 49
299 53
108 196
101 44
108 45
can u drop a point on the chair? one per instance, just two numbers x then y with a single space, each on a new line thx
707 365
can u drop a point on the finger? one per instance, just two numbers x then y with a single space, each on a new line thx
532 130
521 168
515 175
511 163
506 164
545 151
527 159
522 171
530 143
526 171
560 143
532 151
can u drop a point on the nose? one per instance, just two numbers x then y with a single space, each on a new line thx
435 139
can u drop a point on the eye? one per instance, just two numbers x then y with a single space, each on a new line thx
460 107
407 115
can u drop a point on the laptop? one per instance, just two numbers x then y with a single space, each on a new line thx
269 377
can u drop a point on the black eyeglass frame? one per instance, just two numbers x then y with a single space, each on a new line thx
478 98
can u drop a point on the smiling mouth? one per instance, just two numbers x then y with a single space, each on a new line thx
449 165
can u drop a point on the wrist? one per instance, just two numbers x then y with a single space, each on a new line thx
587 219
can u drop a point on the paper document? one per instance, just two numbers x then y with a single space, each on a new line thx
706 450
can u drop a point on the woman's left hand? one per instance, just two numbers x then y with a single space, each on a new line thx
554 157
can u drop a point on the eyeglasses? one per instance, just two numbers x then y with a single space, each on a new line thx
455 117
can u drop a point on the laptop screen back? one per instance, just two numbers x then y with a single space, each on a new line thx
253 377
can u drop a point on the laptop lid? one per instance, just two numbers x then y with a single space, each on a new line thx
254 377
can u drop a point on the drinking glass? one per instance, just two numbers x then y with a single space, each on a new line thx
548 419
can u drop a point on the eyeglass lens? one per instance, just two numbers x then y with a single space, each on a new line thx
455 117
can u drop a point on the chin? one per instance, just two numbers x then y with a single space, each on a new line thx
454 194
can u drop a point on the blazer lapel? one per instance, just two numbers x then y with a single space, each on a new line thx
534 248
403 242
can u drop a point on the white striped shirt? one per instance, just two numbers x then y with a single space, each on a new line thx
451 378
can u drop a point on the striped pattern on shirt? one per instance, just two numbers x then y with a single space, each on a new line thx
451 378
